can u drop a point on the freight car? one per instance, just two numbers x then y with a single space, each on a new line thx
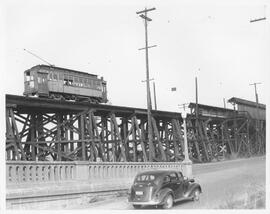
61 83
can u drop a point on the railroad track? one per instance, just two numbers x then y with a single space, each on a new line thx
61 201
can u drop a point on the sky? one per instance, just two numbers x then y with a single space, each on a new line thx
213 40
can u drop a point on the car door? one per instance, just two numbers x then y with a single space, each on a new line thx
182 185
171 181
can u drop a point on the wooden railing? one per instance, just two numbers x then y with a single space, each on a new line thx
18 172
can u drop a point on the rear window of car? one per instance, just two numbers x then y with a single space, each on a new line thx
145 178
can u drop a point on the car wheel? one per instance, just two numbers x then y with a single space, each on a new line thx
196 195
136 206
168 202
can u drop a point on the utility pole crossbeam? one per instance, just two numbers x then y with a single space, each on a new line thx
143 15
152 46
148 80
145 11
256 20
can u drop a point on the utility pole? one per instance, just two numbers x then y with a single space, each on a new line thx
196 108
257 110
255 87
196 86
155 98
143 15
224 102
256 95
149 91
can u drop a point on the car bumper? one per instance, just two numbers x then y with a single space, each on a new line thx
152 202
145 203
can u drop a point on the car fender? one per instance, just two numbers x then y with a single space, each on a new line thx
163 193
191 188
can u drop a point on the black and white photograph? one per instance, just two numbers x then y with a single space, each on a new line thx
134 106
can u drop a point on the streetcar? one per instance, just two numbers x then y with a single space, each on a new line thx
47 81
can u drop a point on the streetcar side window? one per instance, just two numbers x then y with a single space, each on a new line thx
90 83
81 82
70 80
61 76
50 76
76 81
85 82
65 79
95 84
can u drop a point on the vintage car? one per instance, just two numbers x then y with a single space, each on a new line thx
162 188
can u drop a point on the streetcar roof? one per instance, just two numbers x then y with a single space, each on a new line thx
59 68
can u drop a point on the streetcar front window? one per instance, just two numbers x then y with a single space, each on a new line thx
55 76
27 76
103 87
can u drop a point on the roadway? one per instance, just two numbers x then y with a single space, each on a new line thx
228 184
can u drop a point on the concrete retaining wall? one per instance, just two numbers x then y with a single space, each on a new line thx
28 172
35 184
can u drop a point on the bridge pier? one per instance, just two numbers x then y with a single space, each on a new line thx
223 133
53 130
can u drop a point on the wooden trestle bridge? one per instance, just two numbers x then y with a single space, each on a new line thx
55 130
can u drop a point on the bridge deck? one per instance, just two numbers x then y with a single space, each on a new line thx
39 128
26 105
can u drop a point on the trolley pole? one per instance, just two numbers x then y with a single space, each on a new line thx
143 15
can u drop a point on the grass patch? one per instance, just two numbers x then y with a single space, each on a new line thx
254 198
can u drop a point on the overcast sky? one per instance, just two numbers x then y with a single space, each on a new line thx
213 40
